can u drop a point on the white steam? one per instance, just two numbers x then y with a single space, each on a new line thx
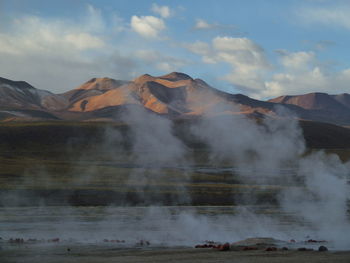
262 151
154 148
314 195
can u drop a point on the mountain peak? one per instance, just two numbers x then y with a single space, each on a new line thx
172 77
102 84
143 78
175 76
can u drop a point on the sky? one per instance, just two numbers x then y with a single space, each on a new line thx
262 49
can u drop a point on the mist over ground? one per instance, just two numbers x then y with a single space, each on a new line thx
312 197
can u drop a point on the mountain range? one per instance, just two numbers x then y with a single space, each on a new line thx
175 95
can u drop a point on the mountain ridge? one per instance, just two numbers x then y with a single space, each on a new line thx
176 95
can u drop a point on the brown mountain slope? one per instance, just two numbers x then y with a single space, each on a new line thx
175 94
93 87
312 101
321 106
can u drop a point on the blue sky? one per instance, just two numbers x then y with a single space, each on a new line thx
259 48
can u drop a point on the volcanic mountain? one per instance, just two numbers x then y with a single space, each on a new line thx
175 95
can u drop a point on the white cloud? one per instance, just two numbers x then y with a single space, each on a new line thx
246 59
240 52
147 26
337 15
163 11
299 61
301 72
58 54
312 80
160 61
33 34
93 21
223 29
83 41
201 24
203 49
251 72
296 83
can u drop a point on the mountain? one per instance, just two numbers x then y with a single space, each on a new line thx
19 100
321 106
20 94
94 87
175 95
316 101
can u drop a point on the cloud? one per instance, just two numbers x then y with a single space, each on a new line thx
246 59
30 33
337 15
164 63
147 26
58 54
298 60
203 49
163 11
313 80
93 21
201 24
83 41
217 28
301 72
293 84
251 72
238 52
